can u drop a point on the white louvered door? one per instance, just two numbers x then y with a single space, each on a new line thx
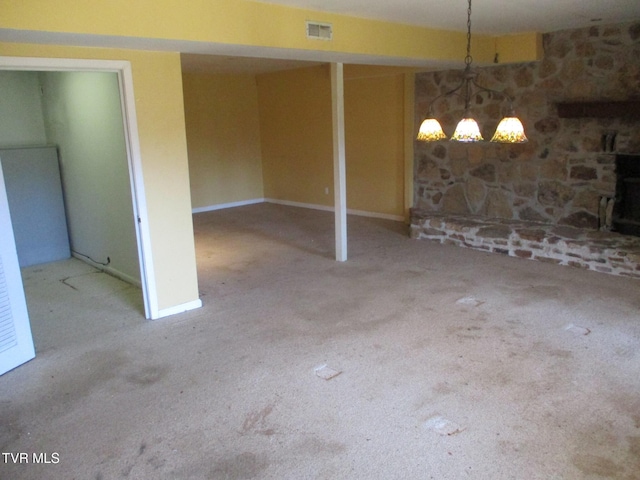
16 343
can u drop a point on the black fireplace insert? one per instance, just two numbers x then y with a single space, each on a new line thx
626 210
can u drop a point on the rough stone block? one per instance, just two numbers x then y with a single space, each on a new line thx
603 269
596 249
555 193
606 160
432 231
581 220
495 231
567 232
486 172
583 173
623 267
630 274
549 260
578 265
535 235
634 257
455 226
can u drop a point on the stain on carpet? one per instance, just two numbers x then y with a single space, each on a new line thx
256 421
597 465
238 467
147 375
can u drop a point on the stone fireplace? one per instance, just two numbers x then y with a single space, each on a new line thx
560 175
563 178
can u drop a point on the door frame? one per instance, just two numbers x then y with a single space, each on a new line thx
129 119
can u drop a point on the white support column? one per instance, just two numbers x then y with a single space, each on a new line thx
339 160
409 136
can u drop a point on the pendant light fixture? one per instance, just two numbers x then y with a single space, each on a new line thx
510 129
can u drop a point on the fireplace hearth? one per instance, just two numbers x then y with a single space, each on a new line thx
626 211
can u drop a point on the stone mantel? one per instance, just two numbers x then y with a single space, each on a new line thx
602 109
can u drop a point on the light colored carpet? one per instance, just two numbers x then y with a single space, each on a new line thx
451 364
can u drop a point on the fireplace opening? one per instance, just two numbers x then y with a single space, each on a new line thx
626 211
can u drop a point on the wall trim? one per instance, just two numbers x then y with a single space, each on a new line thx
166 312
108 270
312 206
327 208
384 216
221 206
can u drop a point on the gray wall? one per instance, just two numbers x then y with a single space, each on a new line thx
21 120
34 192
80 113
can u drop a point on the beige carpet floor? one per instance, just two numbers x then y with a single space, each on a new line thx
412 360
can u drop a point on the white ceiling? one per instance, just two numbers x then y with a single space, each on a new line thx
488 16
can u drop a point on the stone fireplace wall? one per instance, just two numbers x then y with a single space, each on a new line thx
560 176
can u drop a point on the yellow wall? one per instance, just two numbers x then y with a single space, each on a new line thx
297 148
374 132
158 96
513 48
247 23
296 135
223 138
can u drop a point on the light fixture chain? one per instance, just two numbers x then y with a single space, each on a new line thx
468 59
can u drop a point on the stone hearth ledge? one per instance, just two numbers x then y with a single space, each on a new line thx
605 252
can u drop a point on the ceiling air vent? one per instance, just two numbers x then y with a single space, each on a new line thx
319 31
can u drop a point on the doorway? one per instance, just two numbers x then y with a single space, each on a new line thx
120 71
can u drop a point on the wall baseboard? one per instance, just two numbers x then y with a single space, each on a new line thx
184 307
122 276
109 270
326 208
313 206
385 216
222 206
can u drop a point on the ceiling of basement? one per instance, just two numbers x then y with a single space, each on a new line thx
488 16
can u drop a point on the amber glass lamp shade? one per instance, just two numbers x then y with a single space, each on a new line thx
467 131
510 130
431 131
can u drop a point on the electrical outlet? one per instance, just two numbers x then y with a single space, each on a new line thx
326 190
